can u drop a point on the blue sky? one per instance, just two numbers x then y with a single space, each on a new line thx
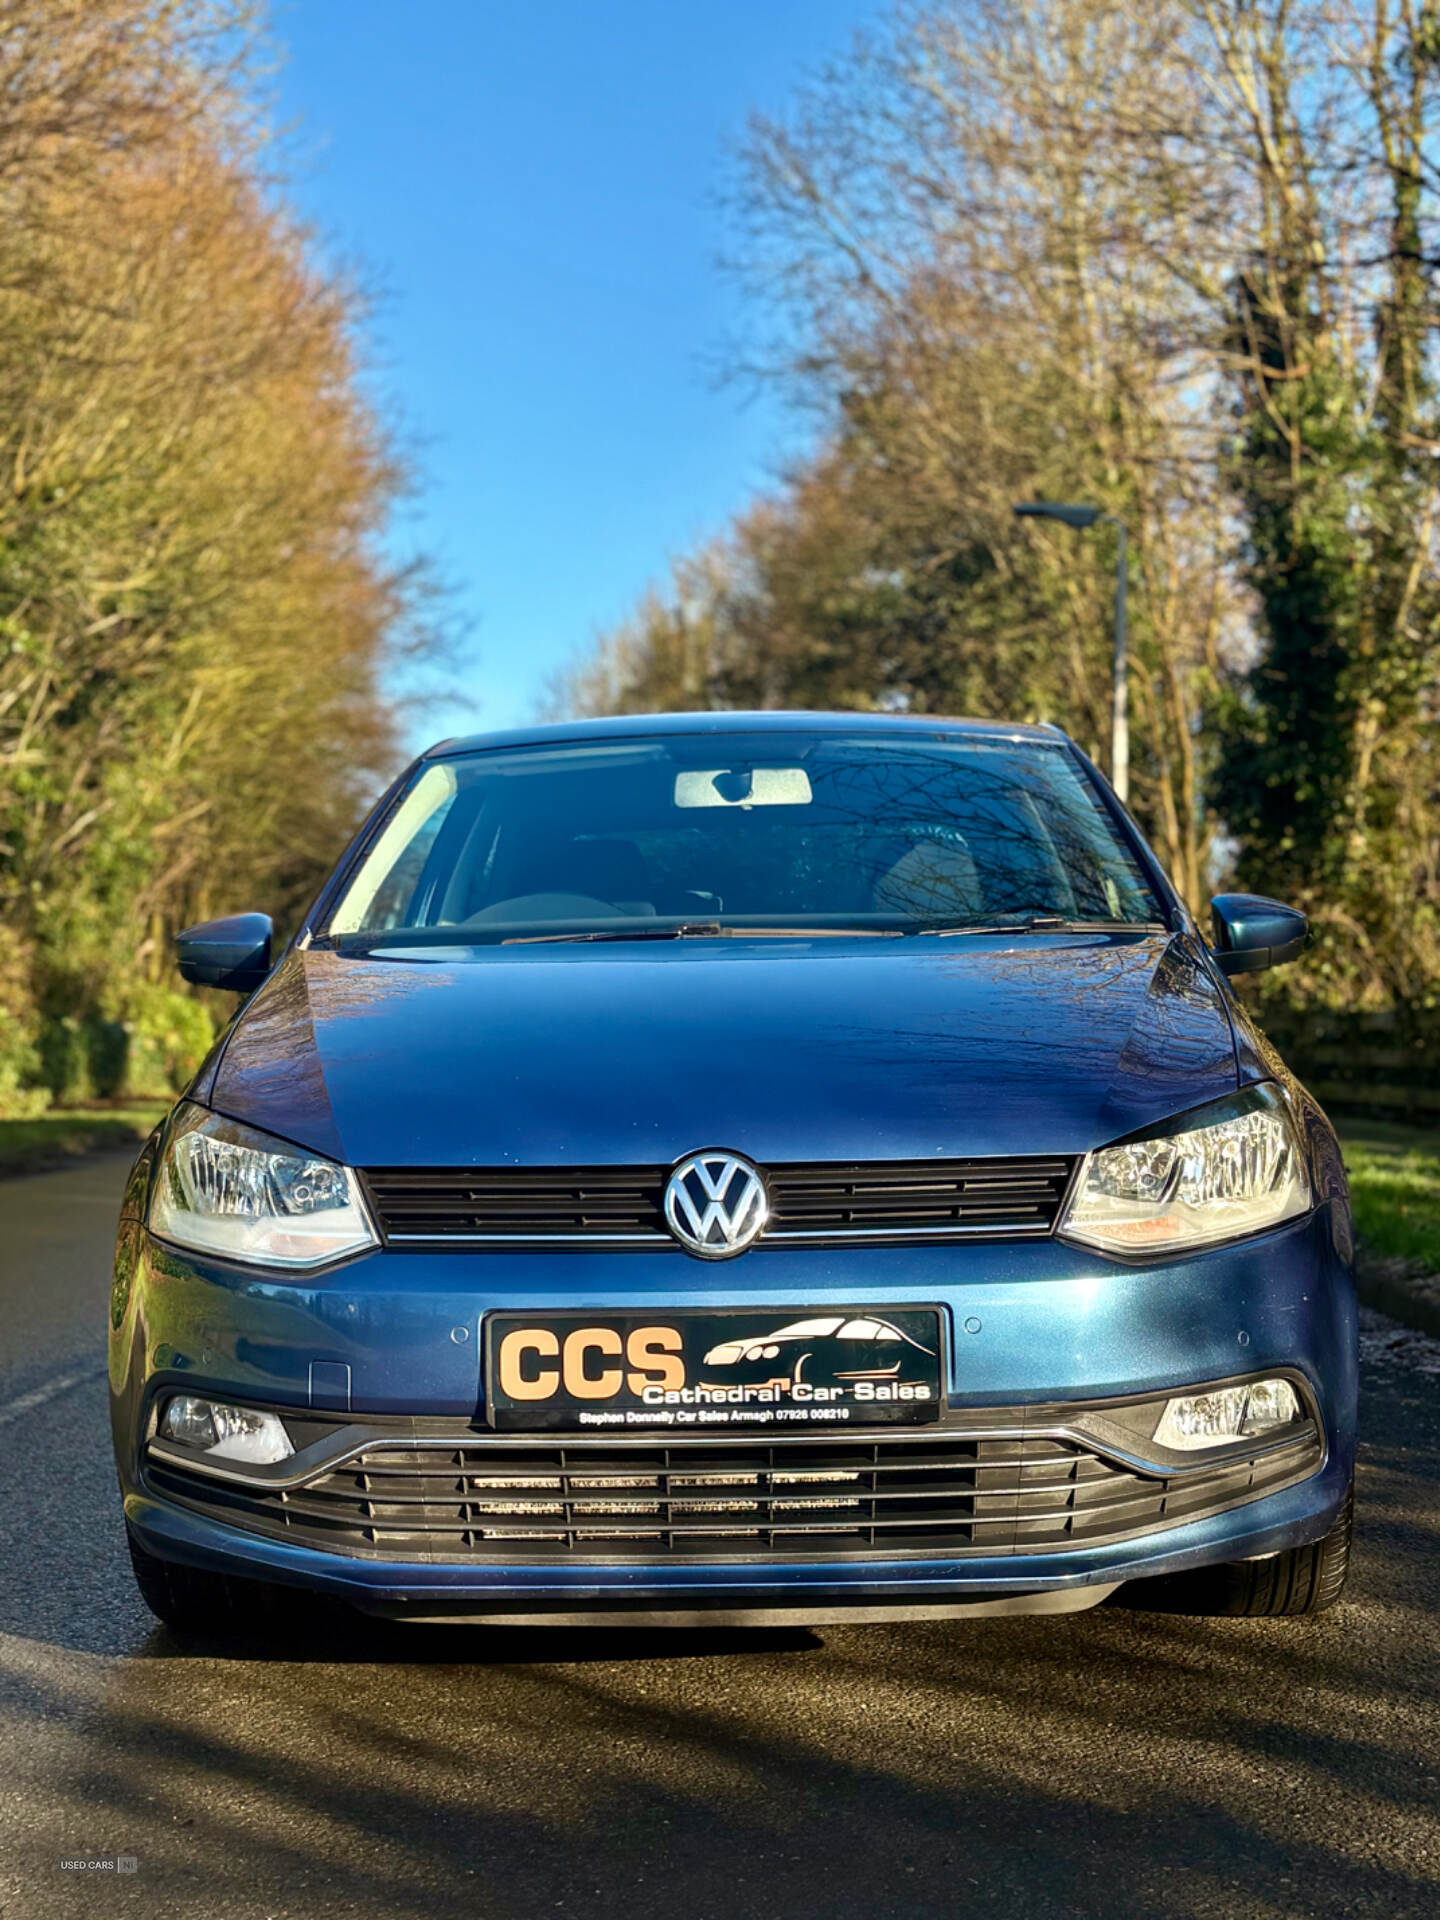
531 188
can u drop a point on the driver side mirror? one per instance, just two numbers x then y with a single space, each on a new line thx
233 953
1252 933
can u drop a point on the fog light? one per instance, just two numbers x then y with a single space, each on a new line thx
1226 1413
225 1432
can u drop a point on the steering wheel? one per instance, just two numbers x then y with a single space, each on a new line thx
546 906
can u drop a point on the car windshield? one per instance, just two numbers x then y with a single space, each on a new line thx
727 832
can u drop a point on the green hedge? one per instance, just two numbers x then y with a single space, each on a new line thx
145 1049
1386 1065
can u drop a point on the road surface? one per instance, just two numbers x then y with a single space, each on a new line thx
1112 1764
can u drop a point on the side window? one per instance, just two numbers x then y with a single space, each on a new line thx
392 904
380 894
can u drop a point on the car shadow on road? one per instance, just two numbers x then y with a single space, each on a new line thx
308 1632
1105 1765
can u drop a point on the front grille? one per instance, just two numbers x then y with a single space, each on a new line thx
878 1199
479 1501
519 1203
924 1196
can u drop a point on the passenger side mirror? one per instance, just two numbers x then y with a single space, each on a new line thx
233 953
1252 933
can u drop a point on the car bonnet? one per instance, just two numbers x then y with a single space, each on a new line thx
785 1050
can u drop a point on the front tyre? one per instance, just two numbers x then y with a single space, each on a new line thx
1289 1585
193 1602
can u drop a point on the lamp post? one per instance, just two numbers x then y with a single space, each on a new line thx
1078 516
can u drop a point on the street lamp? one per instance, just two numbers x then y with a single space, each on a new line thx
1076 516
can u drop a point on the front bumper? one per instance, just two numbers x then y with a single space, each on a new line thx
757 1593
1033 1326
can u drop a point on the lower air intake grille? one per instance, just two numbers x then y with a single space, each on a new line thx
480 1502
877 1200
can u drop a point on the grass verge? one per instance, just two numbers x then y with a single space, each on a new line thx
1395 1189
52 1139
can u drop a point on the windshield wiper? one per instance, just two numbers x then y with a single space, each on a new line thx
705 930
1044 923
687 930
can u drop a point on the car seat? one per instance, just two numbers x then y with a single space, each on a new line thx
935 880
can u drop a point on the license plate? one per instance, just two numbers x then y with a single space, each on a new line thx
700 1371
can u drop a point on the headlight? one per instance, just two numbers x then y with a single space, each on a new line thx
1230 1169
232 1190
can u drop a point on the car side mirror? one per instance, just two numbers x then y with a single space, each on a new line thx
1252 933
233 954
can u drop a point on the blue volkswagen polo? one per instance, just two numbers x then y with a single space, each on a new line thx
740 1168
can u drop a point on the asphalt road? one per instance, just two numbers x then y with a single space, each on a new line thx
1114 1764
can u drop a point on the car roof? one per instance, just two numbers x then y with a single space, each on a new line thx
636 726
